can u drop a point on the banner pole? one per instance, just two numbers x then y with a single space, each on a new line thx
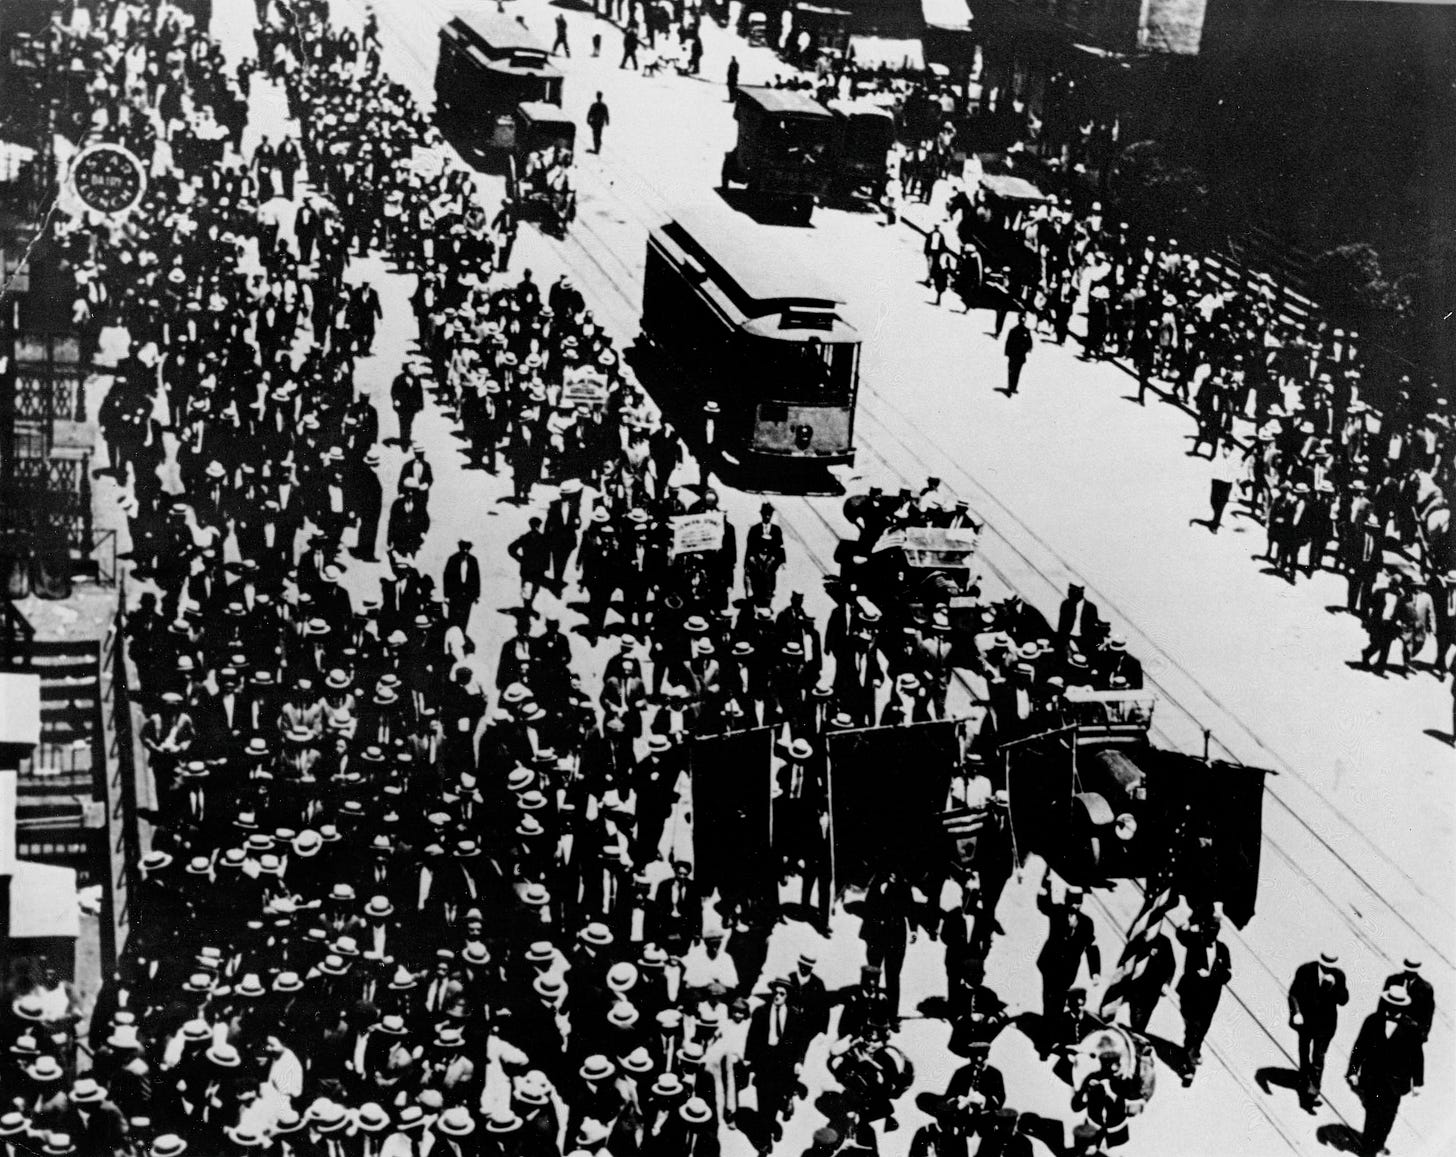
829 825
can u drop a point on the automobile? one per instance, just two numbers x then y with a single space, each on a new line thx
538 175
785 151
865 134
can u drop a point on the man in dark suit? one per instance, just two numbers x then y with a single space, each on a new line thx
365 497
516 655
1018 345
1019 619
763 557
858 672
722 563
552 666
1069 938
533 557
417 473
995 862
1012 703
885 929
979 1087
1115 669
1422 995
222 717
1206 971
772 1052
810 997
1387 1062
541 1024
93 1121
461 585
675 913
408 397
1076 621
563 525
1315 998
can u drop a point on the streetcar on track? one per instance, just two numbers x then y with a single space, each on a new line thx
489 64
730 317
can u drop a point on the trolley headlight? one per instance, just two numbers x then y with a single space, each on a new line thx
803 437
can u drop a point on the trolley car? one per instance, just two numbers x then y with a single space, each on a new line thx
742 326
488 65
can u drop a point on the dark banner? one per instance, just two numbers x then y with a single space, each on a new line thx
1039 789
1219 858
887 791
732 780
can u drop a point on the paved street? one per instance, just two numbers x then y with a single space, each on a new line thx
1076 482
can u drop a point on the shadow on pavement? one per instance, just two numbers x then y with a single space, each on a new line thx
1280 1077
1340 1137
764 210
1169 1053
1050 1131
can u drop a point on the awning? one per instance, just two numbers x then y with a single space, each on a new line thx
1011 188
954 14
893 52
931 546
19 708
43 902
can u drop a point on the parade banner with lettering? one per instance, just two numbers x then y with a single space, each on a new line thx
732 785
887 792
697 532
584 386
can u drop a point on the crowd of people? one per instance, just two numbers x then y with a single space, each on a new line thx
1347 470
390 911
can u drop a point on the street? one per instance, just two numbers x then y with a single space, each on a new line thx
1074 482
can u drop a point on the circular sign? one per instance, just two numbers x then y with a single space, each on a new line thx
108 178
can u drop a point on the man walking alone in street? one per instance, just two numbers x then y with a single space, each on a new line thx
559 44
597 118
1018 345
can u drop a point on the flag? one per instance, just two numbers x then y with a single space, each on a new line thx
1157 903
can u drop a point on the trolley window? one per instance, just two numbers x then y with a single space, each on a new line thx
812 372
